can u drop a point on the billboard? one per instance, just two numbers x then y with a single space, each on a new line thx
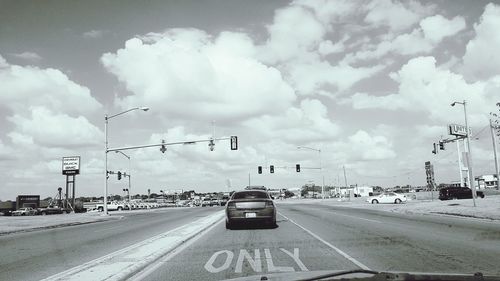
71 165
457 130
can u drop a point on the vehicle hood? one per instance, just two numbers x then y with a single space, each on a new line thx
386 275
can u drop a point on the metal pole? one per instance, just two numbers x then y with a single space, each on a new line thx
321 170
73 195
493 139
105 207
460 164
248 179
469 157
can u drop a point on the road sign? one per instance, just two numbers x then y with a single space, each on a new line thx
457 130
71 165
234 143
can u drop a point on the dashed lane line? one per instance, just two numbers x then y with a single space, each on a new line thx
339 251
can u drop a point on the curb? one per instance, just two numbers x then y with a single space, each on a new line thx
127 262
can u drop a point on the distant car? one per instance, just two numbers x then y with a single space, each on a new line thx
449 193
206 202
53 210
387 197
24 212
215 202
250 206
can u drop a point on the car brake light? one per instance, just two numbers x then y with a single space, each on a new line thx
269 204
231 205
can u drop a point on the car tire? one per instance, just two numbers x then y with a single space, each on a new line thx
100 209
482 195
398 201
44 214
120 208
374 201
229 225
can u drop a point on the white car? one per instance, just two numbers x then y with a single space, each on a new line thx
387 197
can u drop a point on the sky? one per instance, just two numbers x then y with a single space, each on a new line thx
369 83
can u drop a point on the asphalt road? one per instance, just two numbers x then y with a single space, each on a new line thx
39 254
317 237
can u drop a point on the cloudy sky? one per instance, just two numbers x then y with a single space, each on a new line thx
368 82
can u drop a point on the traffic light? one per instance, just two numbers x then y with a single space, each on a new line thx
234 143
297 168
441 145
271 169
211 145
163 148
434 151
119 175
259 169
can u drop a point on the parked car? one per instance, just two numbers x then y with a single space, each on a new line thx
449 193
387 197
206 202
50 210
215 202
250 206
24 212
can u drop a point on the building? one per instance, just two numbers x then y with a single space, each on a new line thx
487 182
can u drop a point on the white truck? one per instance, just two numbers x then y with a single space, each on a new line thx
99 206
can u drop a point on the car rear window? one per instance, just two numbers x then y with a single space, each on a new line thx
250 195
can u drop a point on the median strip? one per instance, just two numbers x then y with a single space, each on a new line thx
124 263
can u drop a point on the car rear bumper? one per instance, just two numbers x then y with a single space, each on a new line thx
250 214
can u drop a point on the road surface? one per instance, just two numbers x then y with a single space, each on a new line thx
317 237
47 252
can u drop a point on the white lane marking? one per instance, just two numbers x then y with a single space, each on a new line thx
161 262
295 257
342 253
121 264
256 263
209 266
376 221
270 264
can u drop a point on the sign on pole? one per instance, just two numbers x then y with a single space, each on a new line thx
457 130
71 165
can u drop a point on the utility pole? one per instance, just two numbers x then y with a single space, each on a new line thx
493 139
460 165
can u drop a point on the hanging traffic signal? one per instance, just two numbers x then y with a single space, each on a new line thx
234 143
441 145
271 169
119 175
434 151
211 145
163 148
297 168
259 169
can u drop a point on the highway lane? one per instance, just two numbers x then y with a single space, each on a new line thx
46 252
312 237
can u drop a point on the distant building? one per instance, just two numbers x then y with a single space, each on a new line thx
487 182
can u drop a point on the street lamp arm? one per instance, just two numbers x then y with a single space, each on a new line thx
135 108
300 147
118 151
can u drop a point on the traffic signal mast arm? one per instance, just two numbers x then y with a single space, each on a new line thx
167 143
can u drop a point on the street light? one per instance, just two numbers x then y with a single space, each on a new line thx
469 156
320 168
106 118
129 174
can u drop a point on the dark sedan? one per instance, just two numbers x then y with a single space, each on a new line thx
449 193
250 206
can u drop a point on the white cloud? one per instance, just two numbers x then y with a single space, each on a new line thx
395 14
29 56
307 123
294 32
186 67
437 27
45 128
423 87
367 147
93 34
482 59
49 88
